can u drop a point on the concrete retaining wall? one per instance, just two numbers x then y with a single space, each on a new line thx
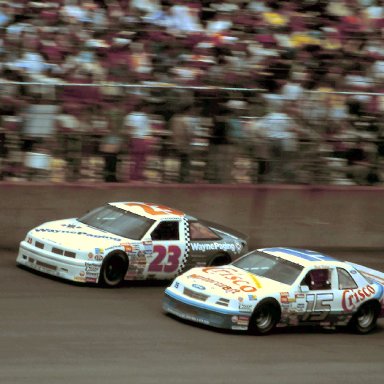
300 216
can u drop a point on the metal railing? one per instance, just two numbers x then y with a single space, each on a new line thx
57 133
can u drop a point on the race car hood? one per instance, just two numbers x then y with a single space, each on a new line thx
72 233
229 281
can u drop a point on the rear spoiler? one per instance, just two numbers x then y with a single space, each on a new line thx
223 228
369 273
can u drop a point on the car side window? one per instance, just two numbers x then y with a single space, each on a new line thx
318 279
166 230
345 279
199 231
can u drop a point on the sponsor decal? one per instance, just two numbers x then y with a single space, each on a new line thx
71 226
245 307
92 267
90 255
238 246
87 234
215 246
240 320
79 278
148 247
92 274
284 297
252 297
226 288
98 257
127 247
352 297
233 278
155 209
99 251
198 286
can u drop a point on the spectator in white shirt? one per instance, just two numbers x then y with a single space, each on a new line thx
138 125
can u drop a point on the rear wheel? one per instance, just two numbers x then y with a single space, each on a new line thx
365 319
219 259
264 318
113 270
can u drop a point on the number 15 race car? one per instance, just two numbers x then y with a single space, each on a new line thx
126 241
279 287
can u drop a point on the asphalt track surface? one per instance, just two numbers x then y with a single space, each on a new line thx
56 332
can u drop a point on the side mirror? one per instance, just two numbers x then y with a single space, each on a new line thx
304 288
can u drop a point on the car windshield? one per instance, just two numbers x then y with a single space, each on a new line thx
272 267
118 221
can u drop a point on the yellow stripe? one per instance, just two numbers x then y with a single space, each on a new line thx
253 277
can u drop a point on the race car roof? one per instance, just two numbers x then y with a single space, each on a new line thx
149 210
304 257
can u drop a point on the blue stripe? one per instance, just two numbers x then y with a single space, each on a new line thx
185 300
302 253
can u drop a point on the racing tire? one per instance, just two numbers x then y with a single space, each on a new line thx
264 318
113 270
219 259
365 319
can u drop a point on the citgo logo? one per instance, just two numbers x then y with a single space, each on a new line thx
230 274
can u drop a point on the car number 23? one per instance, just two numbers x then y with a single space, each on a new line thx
166 259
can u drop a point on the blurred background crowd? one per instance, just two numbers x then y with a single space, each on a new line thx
192 91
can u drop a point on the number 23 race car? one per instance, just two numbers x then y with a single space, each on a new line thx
279 287
126 241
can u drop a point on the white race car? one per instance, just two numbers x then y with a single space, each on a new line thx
279 287
126 241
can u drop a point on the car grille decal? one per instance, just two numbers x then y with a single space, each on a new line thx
39 245
223 302
45 265
69 254
195 295
61 252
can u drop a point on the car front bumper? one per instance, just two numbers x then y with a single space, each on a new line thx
55 265
187 310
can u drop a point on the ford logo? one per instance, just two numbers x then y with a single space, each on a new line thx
197 286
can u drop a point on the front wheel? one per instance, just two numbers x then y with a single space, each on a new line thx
365 319
113 270
264 319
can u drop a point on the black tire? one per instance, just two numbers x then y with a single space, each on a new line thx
264 318
365 319
113 270
219 259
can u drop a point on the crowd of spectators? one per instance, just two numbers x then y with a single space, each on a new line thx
257 91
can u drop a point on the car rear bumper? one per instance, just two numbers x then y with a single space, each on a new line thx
58 266
187 311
